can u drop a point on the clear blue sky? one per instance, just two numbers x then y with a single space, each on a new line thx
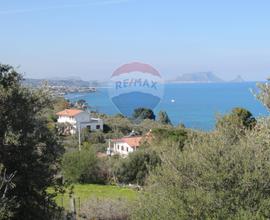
90 38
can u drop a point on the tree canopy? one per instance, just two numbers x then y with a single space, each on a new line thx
27 147
143 113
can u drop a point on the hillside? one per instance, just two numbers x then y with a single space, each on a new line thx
200 77
238 79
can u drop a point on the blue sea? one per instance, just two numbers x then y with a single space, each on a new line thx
195 105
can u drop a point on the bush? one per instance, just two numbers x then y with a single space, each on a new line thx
117 125
93 137
136 167
81 167
211 179
173 136
235 124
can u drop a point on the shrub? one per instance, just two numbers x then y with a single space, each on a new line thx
235 124
136 167
173 136
81 167
211 179
117 125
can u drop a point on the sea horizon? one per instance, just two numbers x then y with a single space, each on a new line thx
194 104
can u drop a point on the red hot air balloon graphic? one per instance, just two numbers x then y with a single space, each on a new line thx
135 85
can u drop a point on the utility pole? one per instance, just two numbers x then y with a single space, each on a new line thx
79 133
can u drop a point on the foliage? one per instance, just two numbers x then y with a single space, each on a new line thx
81 167
5 185
147 124
117 125
173 136
263 94
211 179
239 117
57 104
235 124
94 137
163 118
143 113
64 129
101 147
28 147
136 167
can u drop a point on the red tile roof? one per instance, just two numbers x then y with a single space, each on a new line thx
69 112
135 142
131 141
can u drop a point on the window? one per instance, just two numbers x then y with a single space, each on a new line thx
122 148
89 127
98 127
127 149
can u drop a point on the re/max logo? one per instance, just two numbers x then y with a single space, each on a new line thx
136 83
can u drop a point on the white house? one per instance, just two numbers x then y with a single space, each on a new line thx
123 146
79 119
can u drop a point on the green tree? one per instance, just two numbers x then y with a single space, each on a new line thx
239 117
163 118
81 166
143 113
136 167
27 147
172 136
117 125
235 124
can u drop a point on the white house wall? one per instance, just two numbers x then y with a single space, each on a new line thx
122 148
82 120
66 119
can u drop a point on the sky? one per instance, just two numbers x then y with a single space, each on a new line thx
91 38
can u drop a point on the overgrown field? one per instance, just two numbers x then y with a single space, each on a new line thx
83 192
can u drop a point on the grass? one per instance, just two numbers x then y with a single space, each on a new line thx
83 192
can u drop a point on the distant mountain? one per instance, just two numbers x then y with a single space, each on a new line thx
200 77
238 79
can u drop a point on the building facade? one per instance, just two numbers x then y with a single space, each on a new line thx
77 119
123 146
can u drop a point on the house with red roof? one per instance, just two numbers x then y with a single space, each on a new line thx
78 119
124 146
